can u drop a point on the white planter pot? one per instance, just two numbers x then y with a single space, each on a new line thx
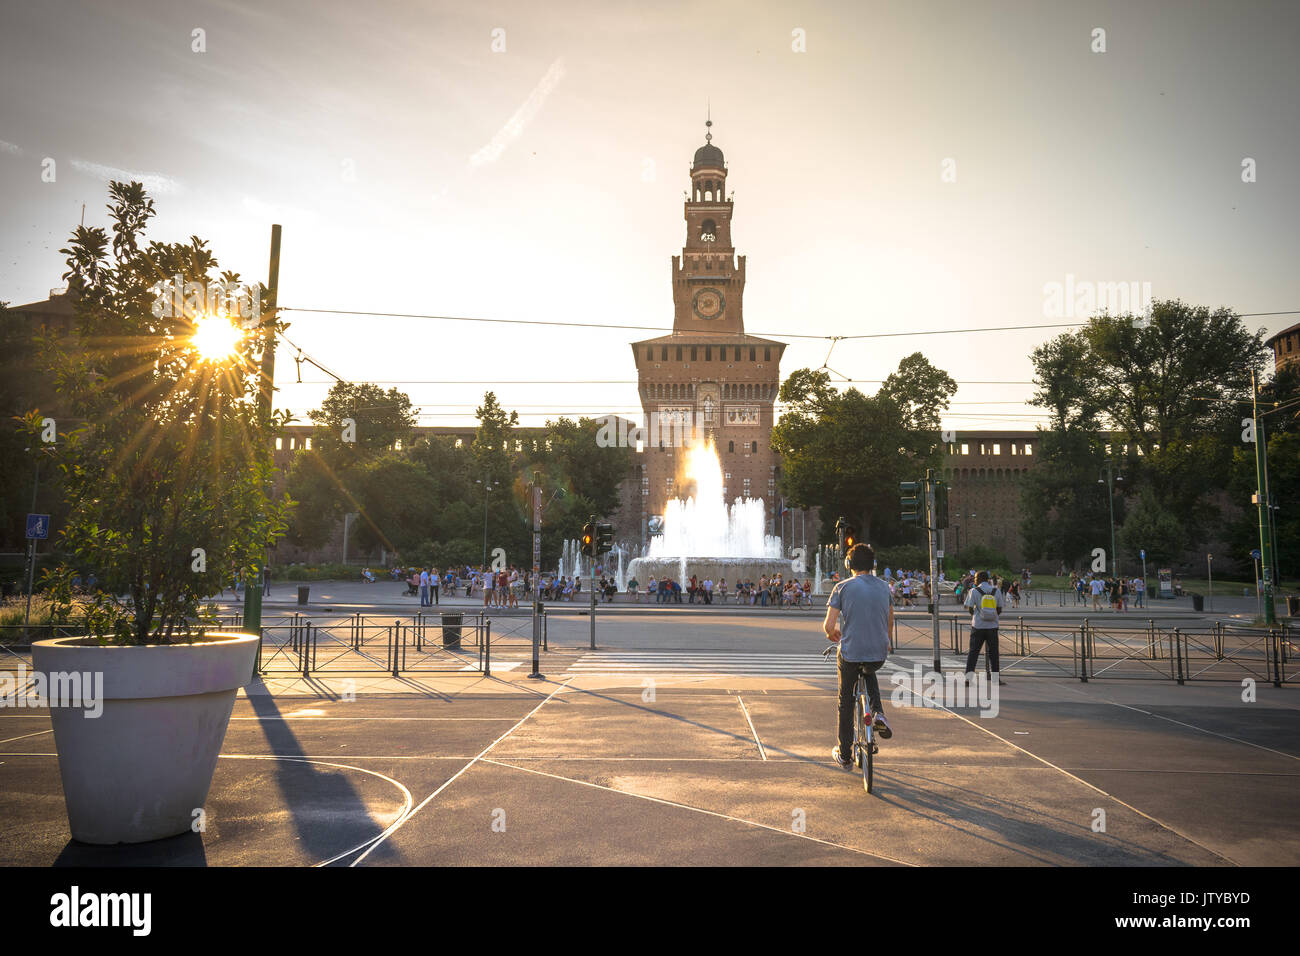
140 769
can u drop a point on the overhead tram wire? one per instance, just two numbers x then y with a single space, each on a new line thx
775 335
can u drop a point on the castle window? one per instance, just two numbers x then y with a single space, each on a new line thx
663 353
649 355
279 444
694 353
679 353
767 355
751 354
306 443
1029 449
731 447
736 358
753 446
708 353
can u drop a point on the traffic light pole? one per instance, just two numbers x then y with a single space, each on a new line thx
266 386
537 576
931 535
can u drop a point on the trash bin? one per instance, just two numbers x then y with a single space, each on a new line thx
451 629
1293 606
303 590
1198 602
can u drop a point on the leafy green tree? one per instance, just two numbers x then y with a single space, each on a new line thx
168 476
845 452
1161 394
379 420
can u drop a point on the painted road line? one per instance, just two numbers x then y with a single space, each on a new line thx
761 752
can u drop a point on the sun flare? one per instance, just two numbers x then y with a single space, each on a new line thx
215 338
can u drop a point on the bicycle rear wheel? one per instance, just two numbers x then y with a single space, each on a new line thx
859 732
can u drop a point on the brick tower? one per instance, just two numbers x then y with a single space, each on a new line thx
708 379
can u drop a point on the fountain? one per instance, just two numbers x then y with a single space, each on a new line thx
704 536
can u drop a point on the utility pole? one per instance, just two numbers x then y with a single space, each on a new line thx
266 386
31 546
1264 503
537 569
932 536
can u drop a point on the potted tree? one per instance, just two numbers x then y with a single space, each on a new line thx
168 474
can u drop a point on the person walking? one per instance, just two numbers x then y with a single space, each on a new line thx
984 601
424 587
860 618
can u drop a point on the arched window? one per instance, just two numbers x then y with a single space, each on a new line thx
731 446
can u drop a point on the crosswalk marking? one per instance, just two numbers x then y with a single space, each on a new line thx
771 664
739 663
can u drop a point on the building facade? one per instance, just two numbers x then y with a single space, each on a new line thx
1286 348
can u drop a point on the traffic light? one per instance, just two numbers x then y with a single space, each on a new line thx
909 500
589 539
604 538
940 504
850 537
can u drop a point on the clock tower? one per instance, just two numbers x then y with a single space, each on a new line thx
708 380
708 280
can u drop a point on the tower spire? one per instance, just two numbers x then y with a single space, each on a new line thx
708 121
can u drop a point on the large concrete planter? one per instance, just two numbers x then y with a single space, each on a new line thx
141 768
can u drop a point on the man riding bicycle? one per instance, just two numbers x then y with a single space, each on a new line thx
860 617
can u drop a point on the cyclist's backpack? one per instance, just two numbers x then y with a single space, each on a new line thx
988 607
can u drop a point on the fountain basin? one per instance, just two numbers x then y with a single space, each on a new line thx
732 569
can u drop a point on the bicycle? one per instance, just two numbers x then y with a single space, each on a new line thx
864 735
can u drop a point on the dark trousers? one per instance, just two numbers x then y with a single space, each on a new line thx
980 636
849 671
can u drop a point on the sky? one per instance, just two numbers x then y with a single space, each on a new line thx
903 167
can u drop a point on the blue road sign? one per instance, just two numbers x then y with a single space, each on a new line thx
1143 553
38 526
1255 554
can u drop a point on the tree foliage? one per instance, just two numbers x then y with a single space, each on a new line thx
845 452
168 473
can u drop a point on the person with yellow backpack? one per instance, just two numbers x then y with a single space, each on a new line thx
984 601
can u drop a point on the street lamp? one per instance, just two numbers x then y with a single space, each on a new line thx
1110 481
486 482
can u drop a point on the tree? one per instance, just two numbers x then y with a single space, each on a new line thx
1163 394
168 476
360 422
845 452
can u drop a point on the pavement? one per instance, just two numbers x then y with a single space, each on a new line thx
704 738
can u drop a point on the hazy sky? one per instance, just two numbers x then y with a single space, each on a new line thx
416 169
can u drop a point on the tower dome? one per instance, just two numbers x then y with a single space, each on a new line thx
708 156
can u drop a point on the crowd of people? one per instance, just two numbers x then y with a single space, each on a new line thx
1115 591
773 591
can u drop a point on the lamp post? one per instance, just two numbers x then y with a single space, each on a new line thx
486 482
1110 481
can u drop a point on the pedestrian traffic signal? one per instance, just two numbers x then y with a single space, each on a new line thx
589 539
940 505
909 500
845 534
604 538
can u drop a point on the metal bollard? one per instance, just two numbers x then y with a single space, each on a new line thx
545 646
487 648
1178 653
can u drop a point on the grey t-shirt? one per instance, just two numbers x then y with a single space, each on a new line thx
863 603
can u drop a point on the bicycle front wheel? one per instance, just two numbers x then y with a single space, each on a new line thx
867 767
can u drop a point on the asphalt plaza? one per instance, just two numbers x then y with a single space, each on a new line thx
659 763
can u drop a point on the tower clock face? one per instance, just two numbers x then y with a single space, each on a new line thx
708 303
